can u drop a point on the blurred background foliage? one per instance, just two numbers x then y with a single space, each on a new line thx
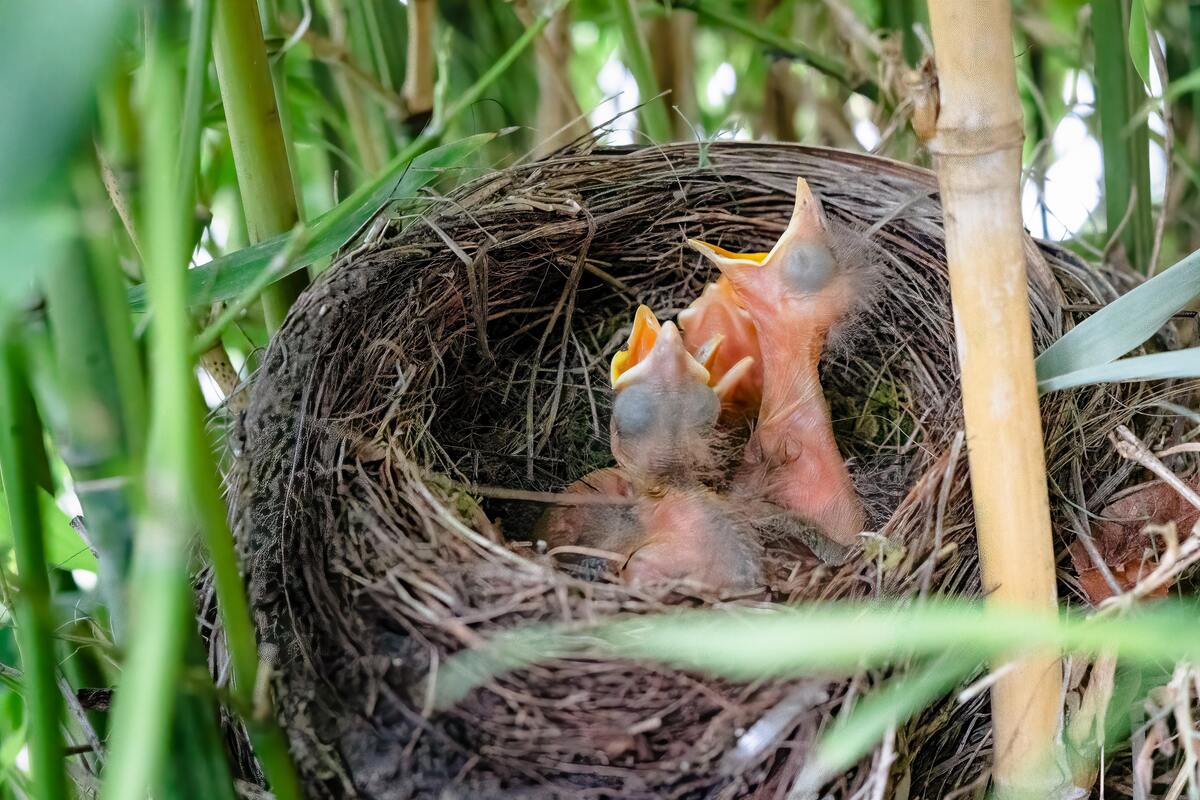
118 173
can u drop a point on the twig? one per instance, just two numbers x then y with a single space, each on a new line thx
550 498
1083 532
1131 447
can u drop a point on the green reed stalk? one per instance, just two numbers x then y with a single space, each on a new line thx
656 123
900 16
192 124
97 379
259 149
269 14
1194 36
20 451
146 697
1123 140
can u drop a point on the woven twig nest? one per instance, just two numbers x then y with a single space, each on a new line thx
470 346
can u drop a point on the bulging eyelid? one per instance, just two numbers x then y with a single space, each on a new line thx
808 267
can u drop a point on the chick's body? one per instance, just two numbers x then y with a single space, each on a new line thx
794 295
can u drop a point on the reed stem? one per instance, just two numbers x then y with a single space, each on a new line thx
259 150
147 694
20 452
977 150
1124 140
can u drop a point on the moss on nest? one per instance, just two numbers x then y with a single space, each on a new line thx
416 368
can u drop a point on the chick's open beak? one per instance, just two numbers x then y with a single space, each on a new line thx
656 355
641 342
800 263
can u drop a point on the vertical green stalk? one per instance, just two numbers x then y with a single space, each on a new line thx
900 16
1194 32
354 107
192 124
259 150
147 694
182 493
656 123
1124 141
20 449
99 442
358 43
269 14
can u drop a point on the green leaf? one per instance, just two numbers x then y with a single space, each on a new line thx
1139 43
50 56
1124 323
47 93
855 733
231 275
787 641
64 548
1156 366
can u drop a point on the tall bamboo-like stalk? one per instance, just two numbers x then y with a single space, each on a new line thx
978 153
1124 139
20 453
419 63
653 113
259 150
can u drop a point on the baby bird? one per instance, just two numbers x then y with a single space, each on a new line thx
794 294
664 412
663 432
714 325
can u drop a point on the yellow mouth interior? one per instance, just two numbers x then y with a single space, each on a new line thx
641 342
757 258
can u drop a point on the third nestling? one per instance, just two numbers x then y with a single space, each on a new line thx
750 346
665 523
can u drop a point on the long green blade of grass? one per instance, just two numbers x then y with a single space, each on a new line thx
20 449
231 276
1123 324
1156 366
794 641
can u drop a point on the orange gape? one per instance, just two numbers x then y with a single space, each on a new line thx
794 294
714 325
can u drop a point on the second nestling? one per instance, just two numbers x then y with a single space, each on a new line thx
686 508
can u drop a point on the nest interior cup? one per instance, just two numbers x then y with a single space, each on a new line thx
470 346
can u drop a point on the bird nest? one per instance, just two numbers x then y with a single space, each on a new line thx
468 348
